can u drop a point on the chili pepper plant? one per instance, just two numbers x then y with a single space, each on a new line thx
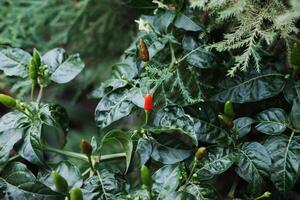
209 92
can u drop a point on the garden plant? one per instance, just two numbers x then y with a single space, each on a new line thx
203 104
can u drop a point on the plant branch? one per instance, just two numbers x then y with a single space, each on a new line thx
40 95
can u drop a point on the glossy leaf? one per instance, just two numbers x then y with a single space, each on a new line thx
201 58
295 114
254 165
67 170
179 196
285 157
13 62
166 180
54 58
123 140
31 148
68 69
163 21
202 192
13 120
243 126
249 87
184 22
272 121
102 186
143 151
8 139
217 161
175 118
17 182
292 91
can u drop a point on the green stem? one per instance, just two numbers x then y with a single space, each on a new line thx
186 55
14 158
32 90
191 173
40 94
112 156
233 188
265 195
91 163
66 153
146 117
173 58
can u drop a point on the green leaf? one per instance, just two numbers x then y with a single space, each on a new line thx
254 165
179 196
166 180
31 148
124 142
13 120
217 161
295 114
292 91
243 126
202 192
168 155
18 182
285 157
54 58
201 58
272 121
184 22
207 126
13 62
67 170
103 186
68 69
162 22
249 87
143 151
113 107
175 118
8 139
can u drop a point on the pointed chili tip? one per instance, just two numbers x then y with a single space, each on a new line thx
148 103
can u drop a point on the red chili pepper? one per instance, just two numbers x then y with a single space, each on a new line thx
148 104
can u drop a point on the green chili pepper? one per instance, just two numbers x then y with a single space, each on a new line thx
226 121
146 176
200 153
228 109
60 182
76 194
7 101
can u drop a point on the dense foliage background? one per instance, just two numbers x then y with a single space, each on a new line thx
224 75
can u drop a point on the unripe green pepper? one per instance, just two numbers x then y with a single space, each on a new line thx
32 71
7 101
200 153
76 194
60 182
226 121
86 147
228 109
146 176
36 58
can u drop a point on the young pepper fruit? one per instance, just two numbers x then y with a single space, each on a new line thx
76 194
146 176
143 51
228 109
148 103
200 153
8 101
60 182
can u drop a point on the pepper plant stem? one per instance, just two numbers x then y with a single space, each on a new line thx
40 94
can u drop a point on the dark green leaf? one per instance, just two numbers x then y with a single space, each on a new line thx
143 151
13 62
104 186
18 182
184 22
295 114
168 155
292 91
272 121
12 120
67 170
123 140
54 58
202 192
166 180
175 118
285 157
249 87
163 21
254 165
8 139
31 148
243 126
68 69
201 58
217 161
179 196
